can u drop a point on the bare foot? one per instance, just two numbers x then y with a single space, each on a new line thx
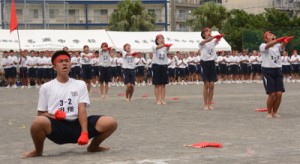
158 103
103 97
276 115
211 108
30 154
269 115
98 149
127 99
206 108
163 103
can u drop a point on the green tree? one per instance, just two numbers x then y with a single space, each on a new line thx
131 16
208 15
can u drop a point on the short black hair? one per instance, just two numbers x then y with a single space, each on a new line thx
58 53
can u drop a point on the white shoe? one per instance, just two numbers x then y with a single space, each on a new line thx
37 86
29 86
14 86
8 86
22 87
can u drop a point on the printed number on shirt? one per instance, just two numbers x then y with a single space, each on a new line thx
161 56
275 59
210 51
129 60
69 108
105 58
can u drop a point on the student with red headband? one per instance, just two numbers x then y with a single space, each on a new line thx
160 68
86 63
128 70
272 70
105 71
208 67
62 115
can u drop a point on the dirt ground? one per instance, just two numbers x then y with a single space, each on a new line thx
148 133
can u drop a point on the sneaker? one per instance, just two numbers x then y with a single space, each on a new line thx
14 86
29 86
22 87
8 86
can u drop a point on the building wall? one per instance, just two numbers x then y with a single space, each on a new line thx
61 15
250 6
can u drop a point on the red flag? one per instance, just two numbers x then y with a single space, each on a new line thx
13 17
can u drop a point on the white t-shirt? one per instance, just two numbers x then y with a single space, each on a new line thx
31 62
208 52
197 60
271 57
105 59
114 62
128 61
75 61
95 61
54 95
232 60
140 61
244 57
119 61
285 60
253 59
160 55
171 63
220 60
23 62
294 59
86 59
149 63
191 60
4 63
12 60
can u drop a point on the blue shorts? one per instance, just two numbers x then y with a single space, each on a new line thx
192 69
64 131
223 69
87 71
233 69
129 76
295 68
286 69
114 72
273 80
171 72
95 71
140 71
160 74
105 74
149 72
208 71
76 72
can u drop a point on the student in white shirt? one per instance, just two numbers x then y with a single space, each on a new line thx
86 63
295 62
6 66
171 68
208 67
105 71
23 68
119 63
62 115
286 66
140 69
272 70
76 67
129 70
95 68
149 68
160 68
113 67
13 62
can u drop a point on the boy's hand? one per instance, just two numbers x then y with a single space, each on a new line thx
59 115
83 139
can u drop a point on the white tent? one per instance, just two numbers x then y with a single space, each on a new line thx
143 41
53 39
76 39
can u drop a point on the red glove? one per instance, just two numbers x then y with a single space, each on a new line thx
168 45
218 37
83 139
288 39
59 115
134 54
107 48
281 39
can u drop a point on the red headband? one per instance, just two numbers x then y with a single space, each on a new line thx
206 28
104 45
265 35
60 57
158 36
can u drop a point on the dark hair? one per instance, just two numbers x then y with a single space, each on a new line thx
96 52
58 53
11 51
203 32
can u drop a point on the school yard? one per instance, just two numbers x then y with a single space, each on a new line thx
148 133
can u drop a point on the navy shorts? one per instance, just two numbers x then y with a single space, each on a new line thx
233 70
295 68
181 72
95 71
105 74
223 69
129 76
23 72
244 68
149 72
64 131
192 69
119 71
208 71
87 71
40 73
140 71
171 72
198 68
273 80
286 69
114 72
7 72
160 74
76 72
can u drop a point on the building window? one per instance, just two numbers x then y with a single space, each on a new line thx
158 14
101 16
53 13
34 13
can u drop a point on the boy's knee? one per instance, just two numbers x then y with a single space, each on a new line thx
106 123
